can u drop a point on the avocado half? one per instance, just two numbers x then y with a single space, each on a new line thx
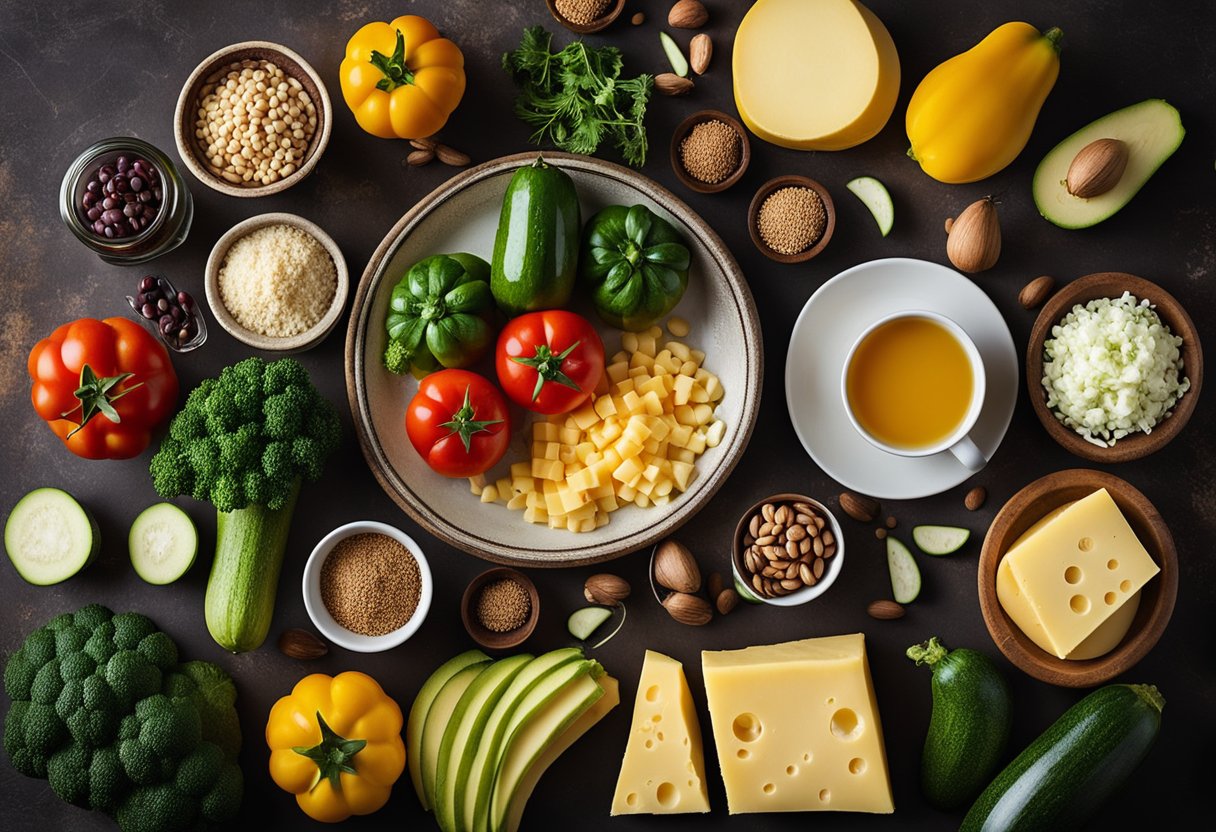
1152 131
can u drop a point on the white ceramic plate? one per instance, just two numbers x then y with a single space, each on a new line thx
462 215
828 325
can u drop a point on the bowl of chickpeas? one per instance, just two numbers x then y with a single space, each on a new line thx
252 119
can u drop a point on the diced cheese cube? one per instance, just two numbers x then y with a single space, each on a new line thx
627 470
523 485
605 406
679 436
683 389
521 469
659 429
641 500
558 521
584 417
632 403
535 499
535 515
685 415
647 345
655 385
518 503
653 404
572 499
637 429
489 494
682 473
607 503
621 388
580 480
697 356
626 493
703 413
713 387
629 341
617 371
651 472
698 394
681 455
567 455
548 469
662 487
504 488
650 447
601 519
545 431
696 444
640 359
679 350
627 448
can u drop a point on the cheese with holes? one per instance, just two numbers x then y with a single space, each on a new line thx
663 772
797 728
1064 579
814 74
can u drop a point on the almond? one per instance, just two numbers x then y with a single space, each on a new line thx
423 144
692 610
668 83
728 599
301 644
688 14
885 610
975 498
638 19
700 50
451 156
1097 168
675 567
974 244
1035 292
417 158
860 508
608 590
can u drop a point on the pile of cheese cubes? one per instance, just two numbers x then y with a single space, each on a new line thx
636 441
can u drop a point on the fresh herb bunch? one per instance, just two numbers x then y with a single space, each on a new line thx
576 99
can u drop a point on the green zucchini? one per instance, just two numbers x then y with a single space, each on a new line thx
50 537
536 247
1075 766
969 726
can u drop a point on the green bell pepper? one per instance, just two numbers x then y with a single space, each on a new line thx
440 314
635 264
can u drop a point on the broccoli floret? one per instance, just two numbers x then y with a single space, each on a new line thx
397 358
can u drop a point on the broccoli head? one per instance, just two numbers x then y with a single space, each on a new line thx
222 446
102 709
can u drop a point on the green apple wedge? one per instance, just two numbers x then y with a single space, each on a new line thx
580 726
437 720
422 704
526 744
475 779
464 733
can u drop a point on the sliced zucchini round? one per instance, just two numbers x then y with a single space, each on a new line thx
50 537
163 543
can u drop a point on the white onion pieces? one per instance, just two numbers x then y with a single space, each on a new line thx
1112 368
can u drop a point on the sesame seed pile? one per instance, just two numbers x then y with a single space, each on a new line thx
370 584
581 12
791 220
503 606
278 281
710 151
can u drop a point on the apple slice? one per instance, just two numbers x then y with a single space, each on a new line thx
437 719
422 705
875 196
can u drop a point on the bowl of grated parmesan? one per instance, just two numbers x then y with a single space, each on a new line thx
277 282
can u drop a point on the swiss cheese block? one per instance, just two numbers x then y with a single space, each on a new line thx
663 772
796 726
1070 574
814 74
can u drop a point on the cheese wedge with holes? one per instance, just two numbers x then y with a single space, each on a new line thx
797 727
663 772
1071 573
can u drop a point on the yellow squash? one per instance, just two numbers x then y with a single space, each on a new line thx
972 115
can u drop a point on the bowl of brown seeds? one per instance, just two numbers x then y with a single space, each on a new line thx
791 218
252 119
585 16
500 608
788 549
710 151
367 586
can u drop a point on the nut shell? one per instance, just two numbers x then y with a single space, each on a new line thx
688 14
728 599
974 243
861 508
1097 168
885 610
700 51
606 589
975 498
1036 292
301 644
668 83
692 610
675 568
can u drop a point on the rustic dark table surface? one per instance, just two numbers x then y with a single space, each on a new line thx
74 72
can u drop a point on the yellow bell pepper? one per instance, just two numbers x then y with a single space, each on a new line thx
972 115
335 743
401 79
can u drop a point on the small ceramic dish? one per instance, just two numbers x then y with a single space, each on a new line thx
216 65
200 321
295 343
320 615
1172 314
681 132
790 181
1156 598
602 22
484 636
799 596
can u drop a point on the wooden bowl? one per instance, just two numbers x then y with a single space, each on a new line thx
1156 598
292 65
1172 314
615 7
682 131
753 216
295 343
798 596
488 638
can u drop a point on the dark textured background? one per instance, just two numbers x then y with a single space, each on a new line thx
74 72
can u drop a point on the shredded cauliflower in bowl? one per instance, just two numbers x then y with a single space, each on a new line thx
1111 368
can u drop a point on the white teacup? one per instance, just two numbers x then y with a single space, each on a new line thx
958 442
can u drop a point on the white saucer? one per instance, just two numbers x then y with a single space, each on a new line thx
828 325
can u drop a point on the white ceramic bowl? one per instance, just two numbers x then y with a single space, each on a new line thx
325 622
798 596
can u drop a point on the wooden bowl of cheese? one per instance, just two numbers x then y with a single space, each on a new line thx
1077 578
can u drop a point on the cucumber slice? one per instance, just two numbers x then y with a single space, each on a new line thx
163 543
905 574
940 540
875 196
50 537
582 623
679 64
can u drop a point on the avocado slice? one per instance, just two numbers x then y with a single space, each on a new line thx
436 725
1152 131
422 705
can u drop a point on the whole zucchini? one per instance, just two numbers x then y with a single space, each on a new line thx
1075 766
536 248
969 726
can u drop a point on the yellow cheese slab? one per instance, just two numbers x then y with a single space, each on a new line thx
663 772
1073 572
814 74
797 727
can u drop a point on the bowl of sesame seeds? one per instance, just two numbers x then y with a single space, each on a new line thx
500 608
252 119
367 586
710 151
791 218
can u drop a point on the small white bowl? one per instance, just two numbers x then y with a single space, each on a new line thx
294 343
798 596
325 622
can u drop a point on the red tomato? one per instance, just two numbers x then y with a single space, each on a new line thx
458 423
550 361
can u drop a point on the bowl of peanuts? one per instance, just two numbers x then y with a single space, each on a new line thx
252 119
788 549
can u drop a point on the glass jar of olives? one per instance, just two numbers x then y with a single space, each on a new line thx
125 200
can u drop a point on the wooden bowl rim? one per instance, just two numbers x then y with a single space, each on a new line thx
1156 601
1171 312
798 596
788 180
293 64
683 129
602 22
488 638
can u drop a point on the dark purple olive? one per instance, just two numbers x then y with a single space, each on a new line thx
109 202
99 227
93 187
129 211
136 183
112 216
185 300
94 214
90 199
147 284
103 177
144 196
